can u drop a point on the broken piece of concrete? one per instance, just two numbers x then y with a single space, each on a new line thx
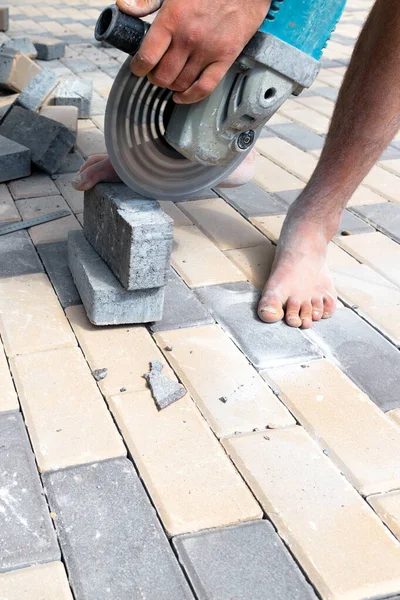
4 18
16 70
164 391
99 374
15 160
75 92
38 90
49 48
23 45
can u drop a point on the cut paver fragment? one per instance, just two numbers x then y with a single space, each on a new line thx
77 92
23 45
164 391
15 160
49 48
16 70
38 90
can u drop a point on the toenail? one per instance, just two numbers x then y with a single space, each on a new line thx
316 312
326 314
293 317
269 309
77 180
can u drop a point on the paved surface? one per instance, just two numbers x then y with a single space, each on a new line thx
278 475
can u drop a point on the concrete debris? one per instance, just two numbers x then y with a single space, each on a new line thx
99 374
164 390
75 92
49 48
39 89
16 70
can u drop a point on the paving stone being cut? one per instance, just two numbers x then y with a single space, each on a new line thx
165 391
49 48
55 260
39 89
248 561
133 235
112 541
4 18
252 201
385 217
105 300
23 45
26 534
49 141
234 306
78 92
15 160
16 70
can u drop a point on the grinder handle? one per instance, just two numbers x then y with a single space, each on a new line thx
122 31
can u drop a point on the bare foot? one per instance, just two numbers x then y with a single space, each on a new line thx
300 288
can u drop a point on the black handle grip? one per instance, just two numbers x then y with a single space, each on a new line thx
120 30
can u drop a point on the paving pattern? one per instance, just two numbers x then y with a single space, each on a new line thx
278 475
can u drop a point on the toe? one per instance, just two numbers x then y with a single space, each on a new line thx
102 170
329 306
306 315
317 308
292 313
92 160
270 308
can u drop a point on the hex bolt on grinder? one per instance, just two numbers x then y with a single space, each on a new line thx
167 151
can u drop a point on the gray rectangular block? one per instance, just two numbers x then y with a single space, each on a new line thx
27 536
248 562
18 255
49 48
352 224
55 260
48 140
4 18
132 234
298 136
77 92
111 539
252 201
15 160
40 88
384 216
181 307
23 45
105 300
234 306
362 353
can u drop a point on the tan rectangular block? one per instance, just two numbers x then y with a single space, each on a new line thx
288 157
359 438
364 195
222 224
384 183
31 318
35 186
394 415
67 115
346 551
190 479
126 352
254 262
67 418
8 396
42 582
387 507
317 103
90 141
199 262
8 210
392 165
229 392
273 178
73 198
23 70
53 231
305 116
338 259
270 226
171 209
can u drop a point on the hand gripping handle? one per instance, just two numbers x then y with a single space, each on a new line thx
122 31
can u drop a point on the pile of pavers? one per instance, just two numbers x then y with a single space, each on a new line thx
38 111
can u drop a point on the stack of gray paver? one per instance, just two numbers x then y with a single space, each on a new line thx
120 261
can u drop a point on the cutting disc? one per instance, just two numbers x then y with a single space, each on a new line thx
136 119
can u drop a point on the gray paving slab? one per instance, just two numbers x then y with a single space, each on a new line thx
48 48
252 201
15 160
352 224
384 216
23 45
40 88
298 136
112 542
55 260
27 535
75 92
182 308
18 255
363 354
287 197
71 163
246 562
234 306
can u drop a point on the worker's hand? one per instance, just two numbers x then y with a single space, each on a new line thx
192 43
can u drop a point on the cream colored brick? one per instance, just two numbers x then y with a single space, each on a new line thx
288 157
330 78
339 259
8 397
190 479
387 507
222 224
126 352
394 415
42 582
98 120
67 418
375 250
90 141
360 439
67 115
270 226
22 71
305 116
73 197
342 545
317 103
31 318
199 262
254 262
273 178
8 211
384 183
364 195
171 209
34 186
213 369
392 165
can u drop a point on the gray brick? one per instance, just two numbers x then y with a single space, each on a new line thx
40 88
202 195
363 354
105 300
26 534
77 92
48 140
49 48
384 216
252 201
4 18
353 224
15 160
79 65
181 307
23 45
234 306
298 136
71 163
112 541
132 234
248 562
18 255
288 196
55 260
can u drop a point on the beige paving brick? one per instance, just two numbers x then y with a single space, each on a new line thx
212 368
67 115
269 226
199 262
126 352
90 141
35 186
31 318
305 116
338 259
342 545
8 396
317 103
190 479
22 71
288 157
364 195
42 582
273 178
98 120
387 507
8 211
394 415
375 250
360 439
392 165
255 262
331 78
67 418
73 197
384 183
171 209
53 231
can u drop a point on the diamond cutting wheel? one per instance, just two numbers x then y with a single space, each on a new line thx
137 116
